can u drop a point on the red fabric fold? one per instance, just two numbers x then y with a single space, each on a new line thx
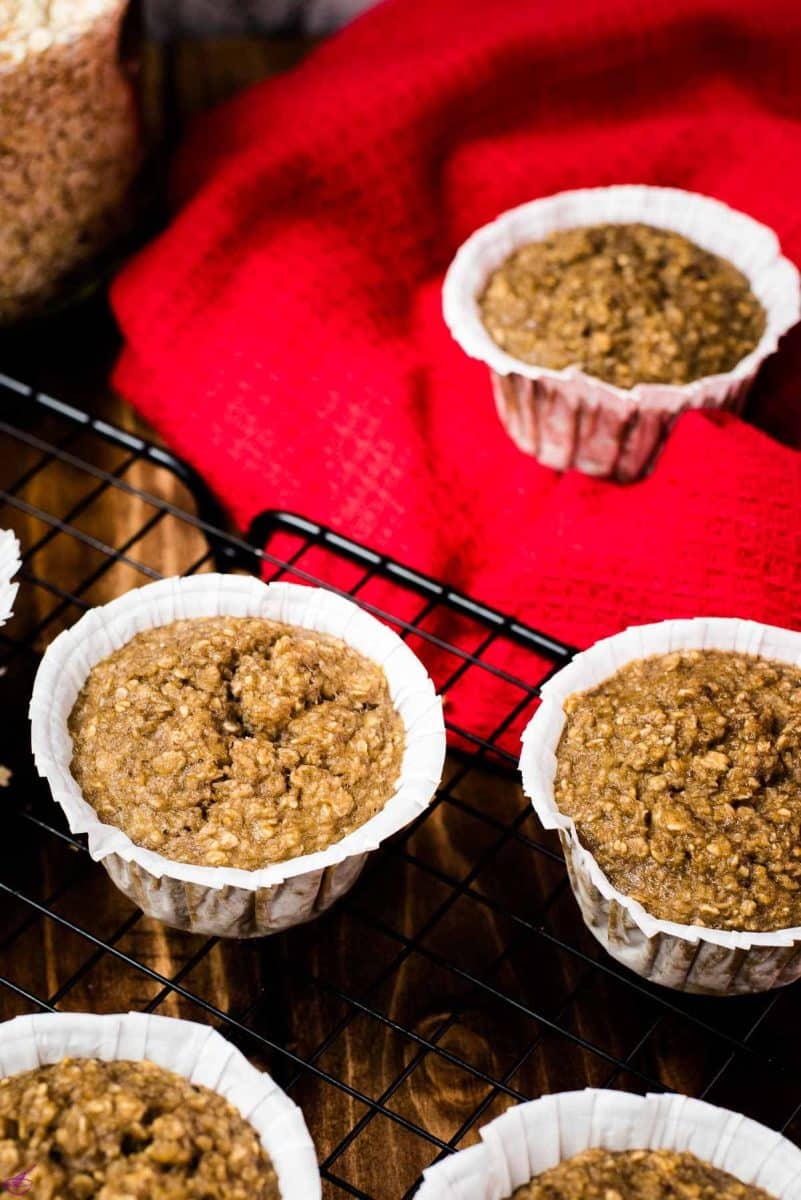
285 335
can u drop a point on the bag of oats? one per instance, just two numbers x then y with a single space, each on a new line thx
70 145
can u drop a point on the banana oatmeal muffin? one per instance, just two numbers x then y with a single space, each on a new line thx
82 1128
625 303
236 741
682 772
636 1175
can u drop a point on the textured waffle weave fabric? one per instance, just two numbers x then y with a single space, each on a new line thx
285 334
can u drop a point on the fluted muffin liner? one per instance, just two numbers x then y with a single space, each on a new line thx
228 901
567 418
690 958
533 1137
9 565
195 1052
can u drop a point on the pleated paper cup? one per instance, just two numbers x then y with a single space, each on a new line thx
227 901
9 565
534 1137
690 958
568 418
195 1052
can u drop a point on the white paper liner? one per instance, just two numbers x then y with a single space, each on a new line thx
686 957
533 1137
9 565
197 1053
225 900
568 418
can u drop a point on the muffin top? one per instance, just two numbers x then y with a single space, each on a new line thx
81 1128
236 741
682 773
625 303
636 1175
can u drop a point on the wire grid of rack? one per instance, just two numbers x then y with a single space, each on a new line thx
457 977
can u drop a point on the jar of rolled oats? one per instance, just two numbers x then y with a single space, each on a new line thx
70 147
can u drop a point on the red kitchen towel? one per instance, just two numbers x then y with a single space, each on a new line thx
285 335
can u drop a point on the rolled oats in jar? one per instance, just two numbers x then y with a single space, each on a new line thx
70 146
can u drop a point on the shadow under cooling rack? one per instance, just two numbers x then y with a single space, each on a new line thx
457 977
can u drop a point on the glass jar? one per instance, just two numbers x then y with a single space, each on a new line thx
70 147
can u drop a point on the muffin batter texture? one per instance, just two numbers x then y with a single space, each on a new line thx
682 773
236 741
84 1128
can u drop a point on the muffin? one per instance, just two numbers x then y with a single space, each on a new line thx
682 773
603 313
80 1125
606 1145
142 1106
625 303
669 759
235 741
9 565
234 749
598 1174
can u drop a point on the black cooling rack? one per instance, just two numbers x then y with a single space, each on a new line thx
457 977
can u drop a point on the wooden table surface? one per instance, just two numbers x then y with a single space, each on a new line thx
430 1006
